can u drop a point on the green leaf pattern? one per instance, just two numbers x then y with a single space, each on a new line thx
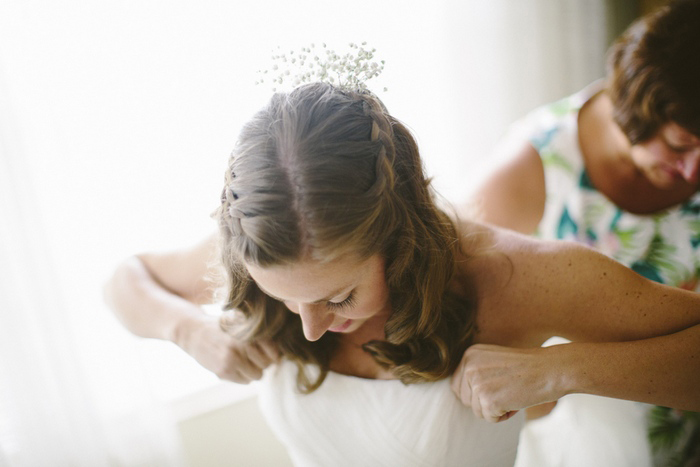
664 247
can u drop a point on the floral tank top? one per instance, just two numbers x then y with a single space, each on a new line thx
664 247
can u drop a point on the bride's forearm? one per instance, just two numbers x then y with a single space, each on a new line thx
663 370
145 307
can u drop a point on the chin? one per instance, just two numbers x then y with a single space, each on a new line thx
356 325
665 185
664 180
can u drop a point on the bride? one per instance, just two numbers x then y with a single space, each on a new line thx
388 332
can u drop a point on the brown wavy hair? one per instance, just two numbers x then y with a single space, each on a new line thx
654 72
321 172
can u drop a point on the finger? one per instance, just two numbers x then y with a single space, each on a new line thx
465 392
456 382
241 368
250 372
492 416
257 356
240 378
474 398
233 373
271 350
507 415
476 407
236 377
460 387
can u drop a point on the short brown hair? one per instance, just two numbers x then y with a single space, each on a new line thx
654 71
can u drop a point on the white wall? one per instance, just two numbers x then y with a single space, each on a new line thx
233 435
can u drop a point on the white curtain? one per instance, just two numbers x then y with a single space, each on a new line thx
116 118
51 411
502 58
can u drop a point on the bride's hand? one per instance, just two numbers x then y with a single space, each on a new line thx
498 381
223 354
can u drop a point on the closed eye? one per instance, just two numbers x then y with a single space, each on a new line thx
347 303
679 148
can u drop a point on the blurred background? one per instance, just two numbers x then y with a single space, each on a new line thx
116 121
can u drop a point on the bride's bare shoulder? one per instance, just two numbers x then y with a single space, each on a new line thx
490 247
511 275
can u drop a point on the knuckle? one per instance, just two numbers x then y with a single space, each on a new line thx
225 375
238 378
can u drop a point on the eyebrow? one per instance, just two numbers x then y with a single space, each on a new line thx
335 293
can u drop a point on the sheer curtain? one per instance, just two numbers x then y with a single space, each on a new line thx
502 58
51 412
116 119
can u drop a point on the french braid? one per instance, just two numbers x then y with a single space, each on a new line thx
421 331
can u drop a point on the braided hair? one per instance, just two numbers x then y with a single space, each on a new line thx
322 172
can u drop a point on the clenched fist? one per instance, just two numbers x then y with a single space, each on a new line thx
225 355
498 381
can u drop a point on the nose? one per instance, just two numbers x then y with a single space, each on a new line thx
315 320
689 166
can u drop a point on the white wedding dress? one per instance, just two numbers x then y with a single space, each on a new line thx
352 422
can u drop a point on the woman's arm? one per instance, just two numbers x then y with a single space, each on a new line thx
159 296
513 196
156 294
632 338
498 381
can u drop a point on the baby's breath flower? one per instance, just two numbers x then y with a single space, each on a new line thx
351 70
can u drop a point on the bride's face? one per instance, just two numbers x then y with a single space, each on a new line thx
339 296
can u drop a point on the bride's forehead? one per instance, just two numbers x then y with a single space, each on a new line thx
302 269
310 266
314 277
303 283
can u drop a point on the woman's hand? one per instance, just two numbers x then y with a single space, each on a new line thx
498 381
159 296
223 354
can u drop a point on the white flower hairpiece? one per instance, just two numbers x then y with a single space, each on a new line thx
350 71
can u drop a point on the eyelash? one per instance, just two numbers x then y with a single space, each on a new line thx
347 303
677 149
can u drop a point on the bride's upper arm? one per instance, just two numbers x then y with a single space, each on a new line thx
582 295
192 273
543 289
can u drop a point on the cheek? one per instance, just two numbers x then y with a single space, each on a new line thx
656 152
377 301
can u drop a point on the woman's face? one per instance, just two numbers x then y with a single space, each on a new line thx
670 159
338 296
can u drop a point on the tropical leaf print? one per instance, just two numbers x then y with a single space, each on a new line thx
661 257
563 107
627 238
551 159
567 227
585 182
542 139
646 269
694 226
691 208
595 210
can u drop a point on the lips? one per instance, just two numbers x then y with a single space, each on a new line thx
342 327
671 171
